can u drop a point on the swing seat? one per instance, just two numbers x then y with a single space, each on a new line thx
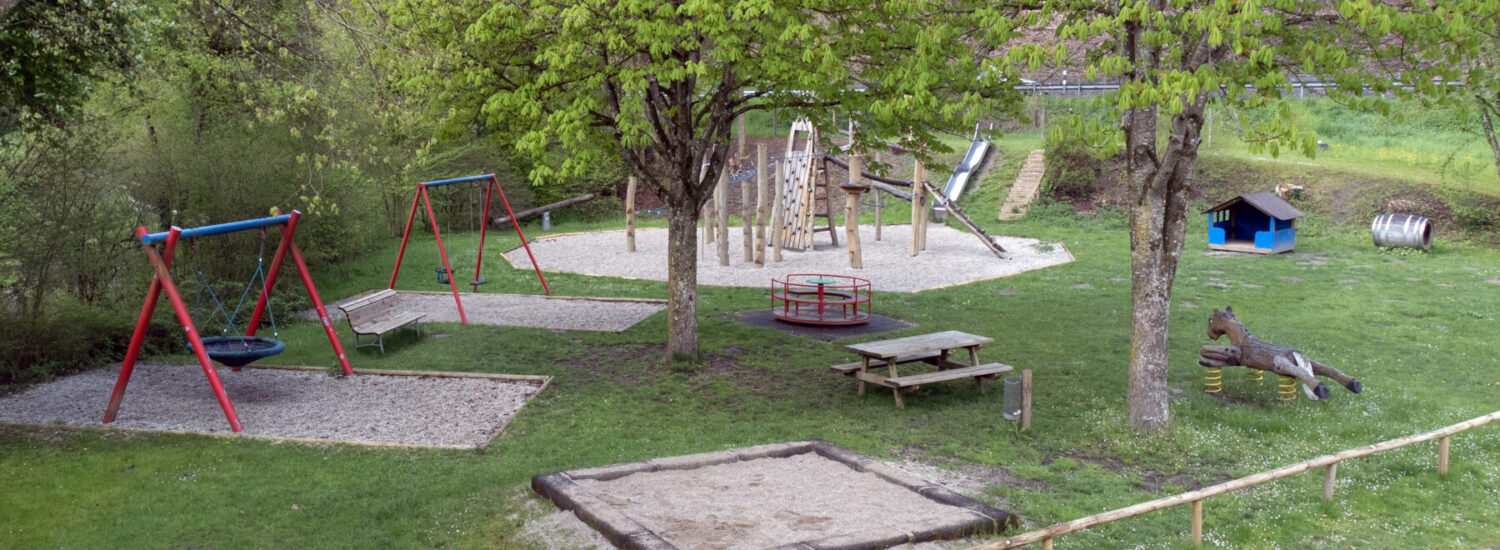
238 351
442 275
477 282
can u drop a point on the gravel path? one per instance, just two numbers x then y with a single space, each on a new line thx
409 410
952 257
764 503
519 310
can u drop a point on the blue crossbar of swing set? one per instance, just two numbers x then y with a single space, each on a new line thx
219 229
457 180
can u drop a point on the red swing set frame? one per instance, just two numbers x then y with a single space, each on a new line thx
161 263
492 185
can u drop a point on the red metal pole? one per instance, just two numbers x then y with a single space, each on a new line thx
517 224
192 332
312 292
427 201
142 326
484 224
406 234
269 280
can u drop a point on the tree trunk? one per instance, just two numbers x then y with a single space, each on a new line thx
682 282
1485 107
1158 225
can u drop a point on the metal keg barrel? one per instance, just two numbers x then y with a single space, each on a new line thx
1402 230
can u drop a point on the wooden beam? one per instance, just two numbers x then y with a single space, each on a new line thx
502 220
1234 485
630 215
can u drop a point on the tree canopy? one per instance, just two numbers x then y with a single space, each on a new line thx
659 84
1174 57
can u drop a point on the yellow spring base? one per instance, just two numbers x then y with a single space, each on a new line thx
1286 389
1213 380
1256 375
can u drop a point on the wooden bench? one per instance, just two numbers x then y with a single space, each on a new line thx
377 314
977 372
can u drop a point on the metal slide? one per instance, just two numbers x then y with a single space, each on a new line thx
960 178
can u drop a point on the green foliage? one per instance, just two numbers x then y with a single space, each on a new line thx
51 52
1073 169
67 337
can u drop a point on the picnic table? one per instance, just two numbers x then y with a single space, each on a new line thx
932 349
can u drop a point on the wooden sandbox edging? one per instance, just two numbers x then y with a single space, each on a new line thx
625 532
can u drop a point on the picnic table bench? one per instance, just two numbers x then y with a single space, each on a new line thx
378 314
932 349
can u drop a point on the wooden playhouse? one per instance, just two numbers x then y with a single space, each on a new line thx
1256 223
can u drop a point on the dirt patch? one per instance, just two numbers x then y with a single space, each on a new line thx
757 382
965 477
622 364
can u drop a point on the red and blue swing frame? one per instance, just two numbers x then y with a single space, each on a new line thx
492 185
161 262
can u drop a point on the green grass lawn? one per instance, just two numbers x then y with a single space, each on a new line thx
1418 330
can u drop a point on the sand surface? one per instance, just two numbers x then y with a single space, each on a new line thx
952 257
519 310
411 410
763 503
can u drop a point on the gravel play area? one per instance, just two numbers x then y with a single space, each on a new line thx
432 411
810 492
953 257
521 310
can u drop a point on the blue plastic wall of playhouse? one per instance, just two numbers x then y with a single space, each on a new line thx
1247 223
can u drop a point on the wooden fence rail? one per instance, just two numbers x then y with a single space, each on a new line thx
1330 462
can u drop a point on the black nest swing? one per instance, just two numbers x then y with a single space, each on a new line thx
237 350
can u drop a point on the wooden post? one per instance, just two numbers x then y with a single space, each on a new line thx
777 211
721 204
919 175
708 213
879 204
1443 456
1198 521
916 210
1047 544
747 211
630 215
760 204
851 214
1026 399
1330 476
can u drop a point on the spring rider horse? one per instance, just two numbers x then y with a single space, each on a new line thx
1245 350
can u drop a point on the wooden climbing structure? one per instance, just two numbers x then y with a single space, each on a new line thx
802 190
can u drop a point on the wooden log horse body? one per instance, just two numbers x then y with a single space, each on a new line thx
1248 351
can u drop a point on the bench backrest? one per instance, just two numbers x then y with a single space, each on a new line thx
372 308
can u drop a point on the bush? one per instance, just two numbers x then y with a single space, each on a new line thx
1073 169
70 337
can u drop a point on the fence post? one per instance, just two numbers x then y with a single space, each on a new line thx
1443 456
1329 478
1198 521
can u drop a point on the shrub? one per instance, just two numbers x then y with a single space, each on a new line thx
1073 169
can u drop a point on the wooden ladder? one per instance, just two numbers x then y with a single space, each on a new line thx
955 211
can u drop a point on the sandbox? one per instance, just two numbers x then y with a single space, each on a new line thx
388 408
522 310
953 257
804 495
